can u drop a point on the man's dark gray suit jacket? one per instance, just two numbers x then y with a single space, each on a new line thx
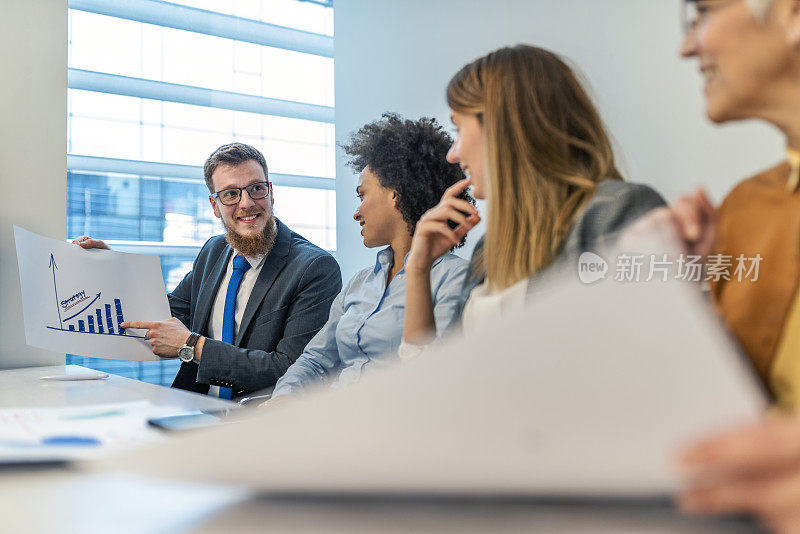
289 303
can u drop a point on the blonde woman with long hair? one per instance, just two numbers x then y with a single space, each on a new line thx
533 145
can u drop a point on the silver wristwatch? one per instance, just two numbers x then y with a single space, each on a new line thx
186 352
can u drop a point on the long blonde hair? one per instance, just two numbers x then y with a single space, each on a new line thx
546 150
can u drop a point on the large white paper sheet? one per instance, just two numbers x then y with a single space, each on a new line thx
590 391
74 299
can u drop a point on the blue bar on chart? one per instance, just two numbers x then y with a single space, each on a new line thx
91 324
109 321
72 328
99 321
120 320
81 327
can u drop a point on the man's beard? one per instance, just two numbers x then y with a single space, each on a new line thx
252 245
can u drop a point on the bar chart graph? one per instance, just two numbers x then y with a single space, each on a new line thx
94 321
83 312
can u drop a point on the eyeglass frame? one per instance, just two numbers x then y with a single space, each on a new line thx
690 26
241 192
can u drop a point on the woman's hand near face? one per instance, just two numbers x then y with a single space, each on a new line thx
753 470
434 236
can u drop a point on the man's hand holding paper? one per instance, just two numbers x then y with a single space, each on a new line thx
87 242
166 337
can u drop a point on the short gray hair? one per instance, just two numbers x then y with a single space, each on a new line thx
759 8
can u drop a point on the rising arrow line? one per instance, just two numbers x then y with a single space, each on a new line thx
53 266
83 310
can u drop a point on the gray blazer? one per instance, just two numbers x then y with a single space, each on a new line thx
289 304
614 205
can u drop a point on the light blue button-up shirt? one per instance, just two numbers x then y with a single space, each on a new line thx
365 325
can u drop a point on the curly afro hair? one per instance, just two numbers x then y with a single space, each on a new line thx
409 157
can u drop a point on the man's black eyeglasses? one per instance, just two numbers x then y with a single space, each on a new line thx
233 195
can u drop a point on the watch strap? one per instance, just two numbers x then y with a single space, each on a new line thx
192 341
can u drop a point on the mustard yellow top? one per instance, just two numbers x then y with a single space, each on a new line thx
785 372
794 169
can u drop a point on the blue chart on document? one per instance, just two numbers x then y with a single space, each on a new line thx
83 311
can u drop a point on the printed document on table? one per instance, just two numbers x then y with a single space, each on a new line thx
76 432
73 300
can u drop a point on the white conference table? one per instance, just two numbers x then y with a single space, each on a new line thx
65 500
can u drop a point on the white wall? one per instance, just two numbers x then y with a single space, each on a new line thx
399 56
33 182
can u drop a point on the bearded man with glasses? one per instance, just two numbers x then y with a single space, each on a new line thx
255 296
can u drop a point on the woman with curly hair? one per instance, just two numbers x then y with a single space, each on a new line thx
404 173
535 148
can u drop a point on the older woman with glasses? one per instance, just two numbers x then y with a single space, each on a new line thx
749 55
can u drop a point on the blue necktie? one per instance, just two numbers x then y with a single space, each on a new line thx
240 265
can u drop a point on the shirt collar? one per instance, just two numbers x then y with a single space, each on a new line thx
385 259
254 261
794 169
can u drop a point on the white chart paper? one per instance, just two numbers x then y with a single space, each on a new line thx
73 300
590 391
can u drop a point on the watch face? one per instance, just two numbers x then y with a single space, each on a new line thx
186 354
